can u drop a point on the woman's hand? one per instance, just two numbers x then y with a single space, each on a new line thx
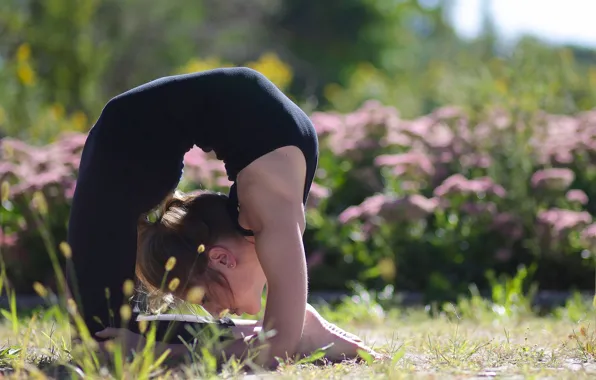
319 333
135 342
129 340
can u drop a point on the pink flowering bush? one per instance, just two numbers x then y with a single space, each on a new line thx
47 170
451 194
426 204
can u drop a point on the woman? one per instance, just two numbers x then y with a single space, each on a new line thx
133 159
226 267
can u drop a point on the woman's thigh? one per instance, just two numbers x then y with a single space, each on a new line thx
110 196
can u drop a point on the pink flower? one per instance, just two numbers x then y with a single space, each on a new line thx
397 137
6 169
503 254
326 123
391 209
479 160
588 237
415 163
223 181
316 195
372 205
20 150
195 157
350 214
7 240
447 112
508 225
458 184
411 207
557 138
58 175
70 190
376 118
476 209
315 259
369 207
353 134
560 220
68 143
553 179
204 169
577 196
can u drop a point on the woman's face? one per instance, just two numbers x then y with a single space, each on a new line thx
237 261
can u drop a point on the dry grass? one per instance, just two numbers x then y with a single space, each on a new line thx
422 347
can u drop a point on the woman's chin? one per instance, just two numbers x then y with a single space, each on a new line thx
252 310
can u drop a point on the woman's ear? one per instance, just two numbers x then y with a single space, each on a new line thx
219 256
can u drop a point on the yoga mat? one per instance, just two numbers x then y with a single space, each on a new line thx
172 327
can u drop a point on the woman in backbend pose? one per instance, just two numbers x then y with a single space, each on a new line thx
132 161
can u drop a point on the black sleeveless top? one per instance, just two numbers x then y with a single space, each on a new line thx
235 112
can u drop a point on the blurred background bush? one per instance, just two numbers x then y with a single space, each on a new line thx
443 158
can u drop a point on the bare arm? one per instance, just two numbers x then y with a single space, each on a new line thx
318 333
282 257
270 192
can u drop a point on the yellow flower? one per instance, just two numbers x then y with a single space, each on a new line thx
71 306
501 86
109 346
195 295
26 74
40 289
143 326
128 288
332 90
223 313
174 284
170 264
4 191
386 269
274 69
196 65
39 201
79 120
65 249
57 111
23 53
201 249
8 151
125 312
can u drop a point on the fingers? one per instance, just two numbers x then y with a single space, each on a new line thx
108 332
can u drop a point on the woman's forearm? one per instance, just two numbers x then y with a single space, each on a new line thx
281 254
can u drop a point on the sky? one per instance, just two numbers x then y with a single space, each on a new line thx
557 21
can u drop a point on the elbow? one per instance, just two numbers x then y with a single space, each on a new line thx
290 214
286 345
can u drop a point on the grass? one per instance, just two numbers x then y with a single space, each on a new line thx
475 337
446 345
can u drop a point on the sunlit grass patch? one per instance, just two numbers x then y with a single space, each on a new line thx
418 343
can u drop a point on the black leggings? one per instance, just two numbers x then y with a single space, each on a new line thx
111 194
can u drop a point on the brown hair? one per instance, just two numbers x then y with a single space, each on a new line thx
184 222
